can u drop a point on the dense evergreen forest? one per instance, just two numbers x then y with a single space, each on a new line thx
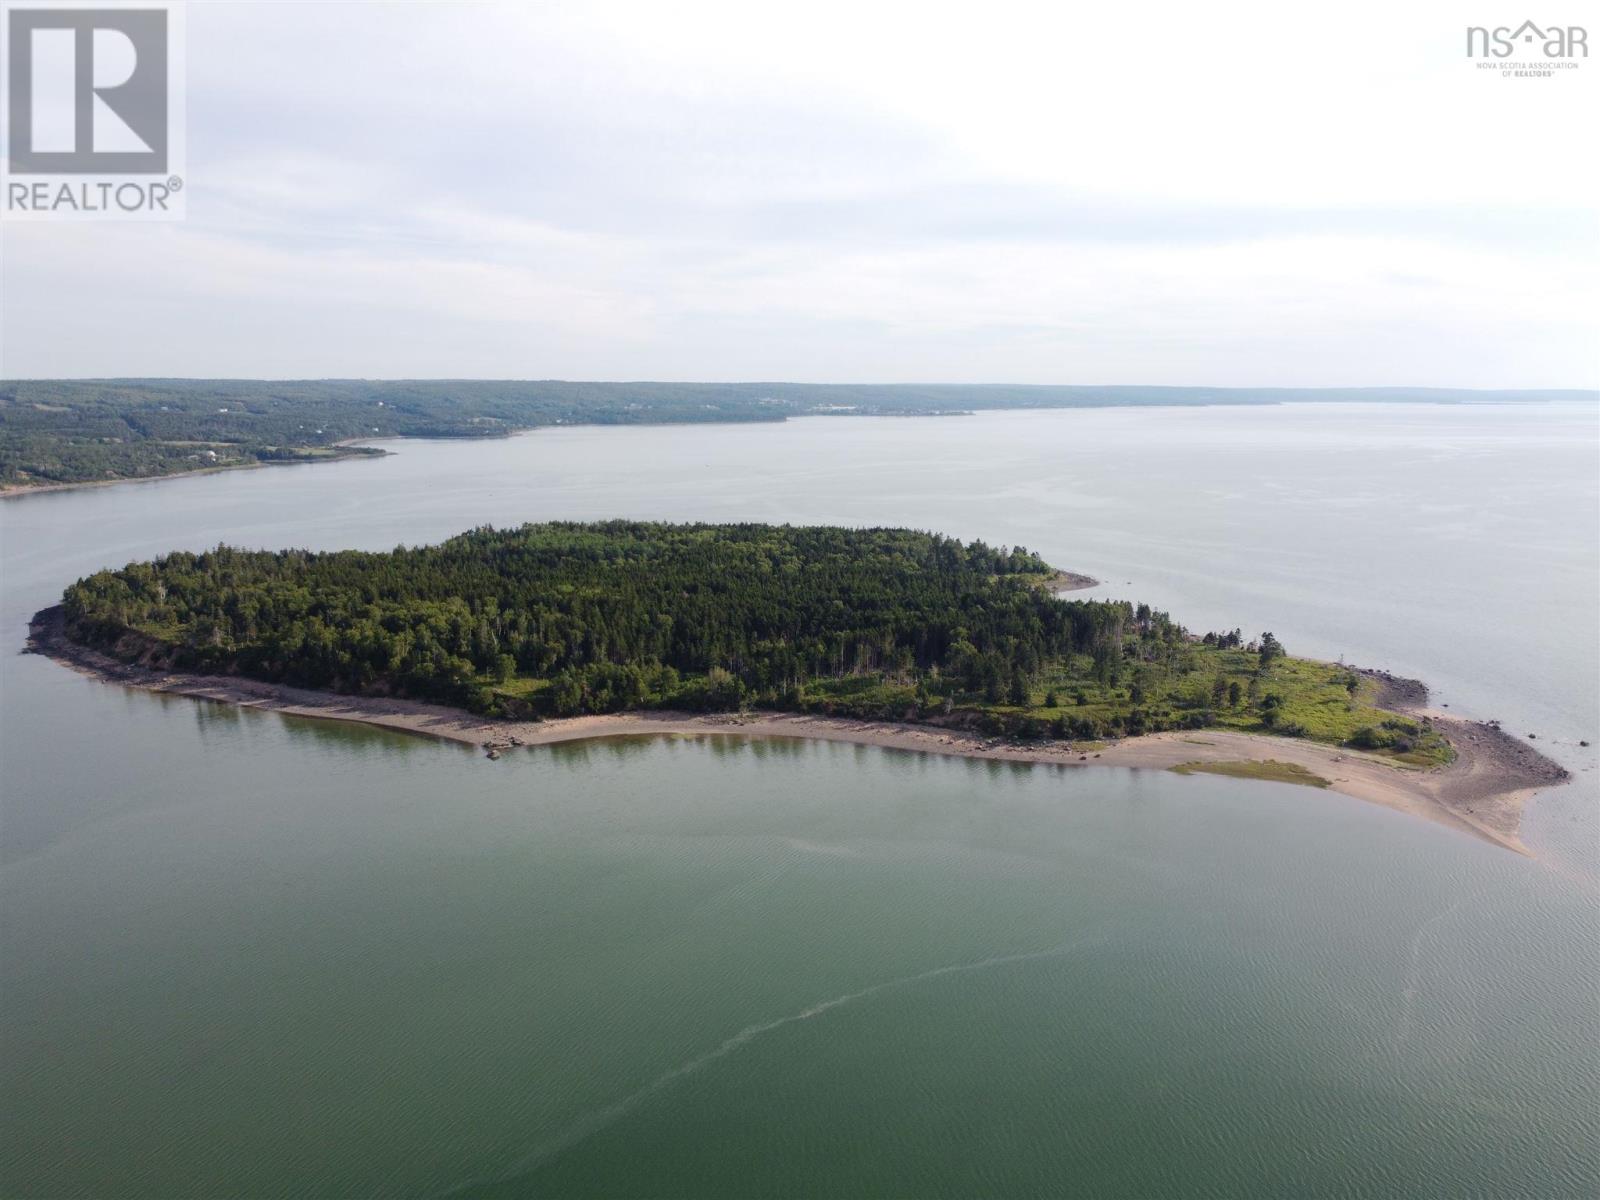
561 619
78 431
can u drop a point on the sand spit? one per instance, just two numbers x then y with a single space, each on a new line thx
1482 792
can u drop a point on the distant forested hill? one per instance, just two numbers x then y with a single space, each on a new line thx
561 619
78 431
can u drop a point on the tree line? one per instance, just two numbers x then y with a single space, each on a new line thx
572 617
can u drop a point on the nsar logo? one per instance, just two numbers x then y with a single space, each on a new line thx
1553 41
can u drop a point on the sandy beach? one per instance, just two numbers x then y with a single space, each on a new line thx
1481 793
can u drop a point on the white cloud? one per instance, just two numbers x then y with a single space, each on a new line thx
1245 194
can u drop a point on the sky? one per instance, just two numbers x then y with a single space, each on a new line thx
1224 194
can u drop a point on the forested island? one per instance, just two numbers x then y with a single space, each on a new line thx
57 433
563 619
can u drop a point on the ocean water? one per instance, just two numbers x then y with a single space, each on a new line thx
244 954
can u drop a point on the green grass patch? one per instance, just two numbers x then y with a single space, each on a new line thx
1271 769
1200 686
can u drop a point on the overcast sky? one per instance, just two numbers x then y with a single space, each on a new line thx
1225 194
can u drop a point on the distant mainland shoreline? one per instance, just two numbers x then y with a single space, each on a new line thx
57 434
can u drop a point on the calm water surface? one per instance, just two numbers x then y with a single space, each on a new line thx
242 954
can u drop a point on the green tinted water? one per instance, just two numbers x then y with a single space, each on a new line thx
248 955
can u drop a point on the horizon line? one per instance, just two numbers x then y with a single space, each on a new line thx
508 379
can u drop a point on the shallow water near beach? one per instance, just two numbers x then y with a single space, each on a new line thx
244 954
